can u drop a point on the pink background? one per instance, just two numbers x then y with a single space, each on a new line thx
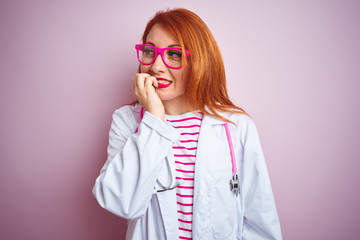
67 65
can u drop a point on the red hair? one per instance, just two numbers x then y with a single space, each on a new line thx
206 81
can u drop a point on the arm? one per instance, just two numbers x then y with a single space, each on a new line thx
260 215
126 182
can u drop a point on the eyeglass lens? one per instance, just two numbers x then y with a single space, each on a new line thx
172 57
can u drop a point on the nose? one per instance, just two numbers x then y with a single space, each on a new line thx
158 65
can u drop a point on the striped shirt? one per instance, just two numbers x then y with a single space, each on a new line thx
188 125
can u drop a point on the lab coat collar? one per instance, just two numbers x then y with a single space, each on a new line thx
209 119
213 120
137 107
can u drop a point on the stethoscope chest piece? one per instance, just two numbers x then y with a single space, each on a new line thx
234 183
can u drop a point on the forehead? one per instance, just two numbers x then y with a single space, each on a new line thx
160 35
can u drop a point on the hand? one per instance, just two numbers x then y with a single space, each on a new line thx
144 90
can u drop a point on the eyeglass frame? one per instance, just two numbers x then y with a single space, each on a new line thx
157 52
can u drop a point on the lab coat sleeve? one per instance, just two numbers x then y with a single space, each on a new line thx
260 216
126 181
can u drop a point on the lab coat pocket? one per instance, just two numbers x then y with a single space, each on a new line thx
223 212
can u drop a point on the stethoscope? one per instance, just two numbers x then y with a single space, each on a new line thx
234 181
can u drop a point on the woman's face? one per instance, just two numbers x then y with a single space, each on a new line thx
161 38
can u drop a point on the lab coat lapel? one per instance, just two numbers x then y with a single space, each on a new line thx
207 154
210 148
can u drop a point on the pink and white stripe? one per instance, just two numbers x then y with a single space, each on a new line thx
188 126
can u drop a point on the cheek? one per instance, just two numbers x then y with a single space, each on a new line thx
180 79
144 68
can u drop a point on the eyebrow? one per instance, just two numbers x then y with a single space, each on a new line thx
172 45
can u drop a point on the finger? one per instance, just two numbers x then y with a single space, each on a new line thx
155 83
141 77
150 83
140 82
133 81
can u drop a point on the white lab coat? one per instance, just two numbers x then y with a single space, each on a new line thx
139 163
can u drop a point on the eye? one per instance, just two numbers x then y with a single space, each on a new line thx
148 51
174 54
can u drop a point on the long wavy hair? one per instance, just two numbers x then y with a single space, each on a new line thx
205 81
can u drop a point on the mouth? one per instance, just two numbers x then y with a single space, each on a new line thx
163 82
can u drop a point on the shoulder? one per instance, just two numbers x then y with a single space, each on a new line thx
238 121
244 126
128 115
239 118
241 126
127 111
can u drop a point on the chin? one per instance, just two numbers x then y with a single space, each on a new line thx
168 94
165 98
162 92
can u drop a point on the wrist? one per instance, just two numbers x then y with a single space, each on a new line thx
158 115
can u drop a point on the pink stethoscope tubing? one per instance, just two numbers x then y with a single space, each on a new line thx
235 178
233 162
141 117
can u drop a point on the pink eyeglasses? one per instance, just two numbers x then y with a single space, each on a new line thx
171 56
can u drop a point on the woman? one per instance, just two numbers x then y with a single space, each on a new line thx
184 162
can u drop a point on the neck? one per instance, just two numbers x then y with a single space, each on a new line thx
176 106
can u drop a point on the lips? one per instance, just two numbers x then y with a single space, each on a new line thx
163 82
